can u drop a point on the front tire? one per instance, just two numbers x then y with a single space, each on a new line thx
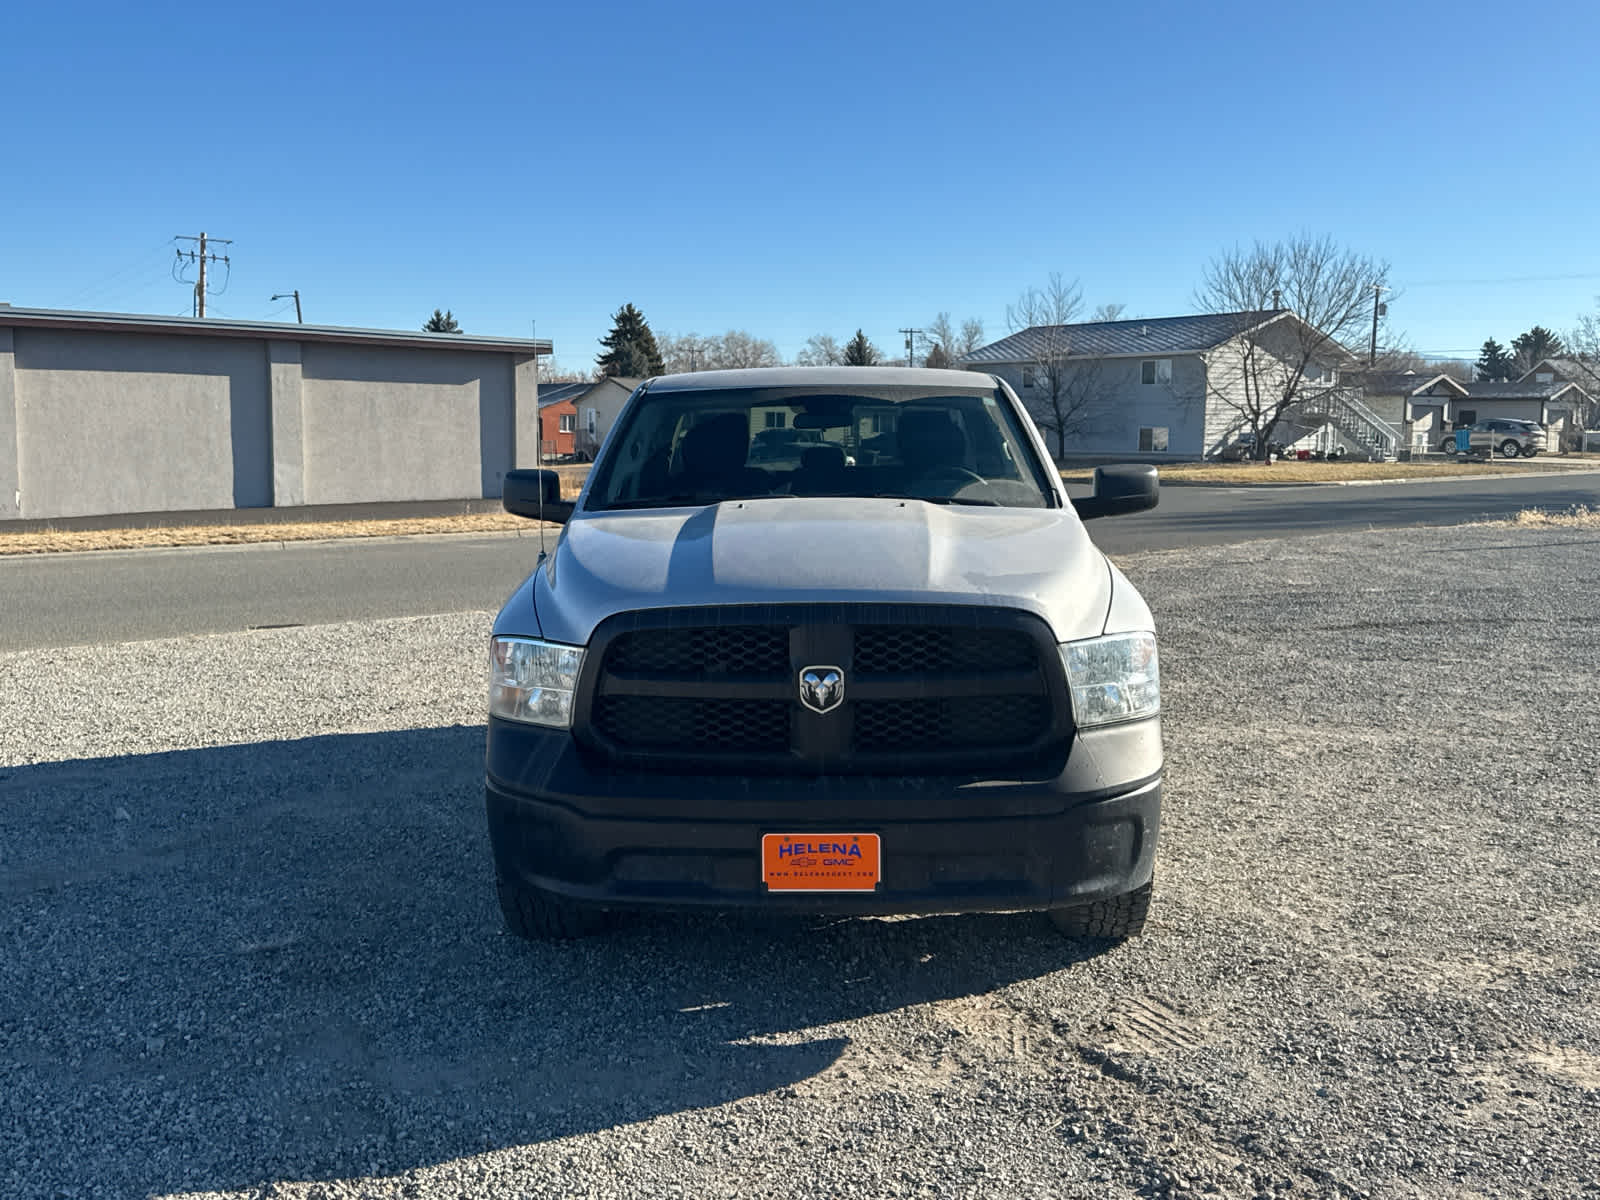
1509 449
1448 446
1114 920
542 916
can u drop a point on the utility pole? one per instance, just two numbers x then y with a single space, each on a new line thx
298 319
911 343
1377 310
202 257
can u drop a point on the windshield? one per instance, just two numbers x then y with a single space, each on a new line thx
693 447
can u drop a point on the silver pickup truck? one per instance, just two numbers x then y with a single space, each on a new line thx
892 676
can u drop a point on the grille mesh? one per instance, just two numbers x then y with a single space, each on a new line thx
730 650
891 726
680 724
903 649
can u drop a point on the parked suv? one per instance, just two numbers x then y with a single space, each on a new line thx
896 682
1502 435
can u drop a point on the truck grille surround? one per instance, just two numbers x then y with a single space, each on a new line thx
928 690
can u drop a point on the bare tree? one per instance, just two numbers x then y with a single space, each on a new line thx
956 343
942 334
971 337
1458 370
1063 394
1108 312
820 350
551 371
1583 353
1275 361
684 352
737 348
730 351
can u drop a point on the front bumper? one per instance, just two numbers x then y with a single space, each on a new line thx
1083 828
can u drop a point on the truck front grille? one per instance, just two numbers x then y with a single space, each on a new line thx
927 690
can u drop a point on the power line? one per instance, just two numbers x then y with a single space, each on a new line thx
116 282
1505 279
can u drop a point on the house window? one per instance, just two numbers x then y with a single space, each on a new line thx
1030 377
1155 370
569 422
1544 377
1153 439
777 420
1466 416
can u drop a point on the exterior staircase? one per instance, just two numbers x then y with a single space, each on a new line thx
1342 408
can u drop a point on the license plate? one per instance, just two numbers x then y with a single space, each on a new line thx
820 862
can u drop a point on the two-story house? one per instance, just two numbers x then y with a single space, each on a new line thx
1176 388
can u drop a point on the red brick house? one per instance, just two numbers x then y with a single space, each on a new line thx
558 425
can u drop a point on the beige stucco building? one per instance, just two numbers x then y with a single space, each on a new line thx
105 413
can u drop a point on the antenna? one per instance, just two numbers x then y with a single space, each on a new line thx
538 425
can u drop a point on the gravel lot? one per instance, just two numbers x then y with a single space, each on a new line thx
248 945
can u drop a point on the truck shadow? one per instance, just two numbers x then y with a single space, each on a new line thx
283 960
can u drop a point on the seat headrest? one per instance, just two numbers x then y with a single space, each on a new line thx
826 457
929 438
717 445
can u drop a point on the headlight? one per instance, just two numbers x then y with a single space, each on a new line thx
533 681
1115 678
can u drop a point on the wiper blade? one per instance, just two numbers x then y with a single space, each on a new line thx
970 500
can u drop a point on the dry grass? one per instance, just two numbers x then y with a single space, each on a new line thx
62 541
1579 516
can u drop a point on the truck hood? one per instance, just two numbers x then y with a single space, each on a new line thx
793 550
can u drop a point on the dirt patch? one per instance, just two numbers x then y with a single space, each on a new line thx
1574 1066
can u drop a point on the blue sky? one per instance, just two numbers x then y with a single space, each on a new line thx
794 169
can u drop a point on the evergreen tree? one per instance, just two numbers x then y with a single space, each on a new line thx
1533 347
441 322
631 348
1494 363
859 352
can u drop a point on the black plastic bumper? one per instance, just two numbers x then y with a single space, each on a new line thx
1082 829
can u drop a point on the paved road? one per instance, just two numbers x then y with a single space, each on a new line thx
85 599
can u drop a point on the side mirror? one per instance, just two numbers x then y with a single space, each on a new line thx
1119 490
535 494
